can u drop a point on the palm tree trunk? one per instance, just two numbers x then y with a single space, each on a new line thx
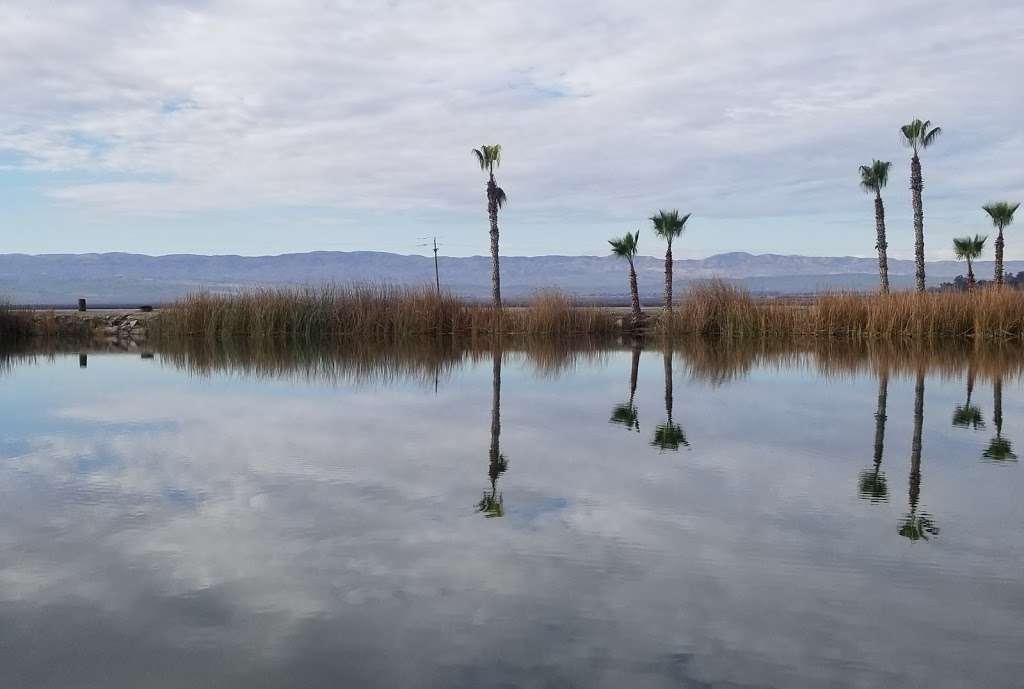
634 292
668 384
494 451
916 184
634 372
668 278
999 257
970 274
915 445
492 213
880 417
997 404
881 244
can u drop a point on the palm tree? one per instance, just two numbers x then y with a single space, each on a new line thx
873 179
918 136
968 415
489 157
626 248
668 225
492 504
668 435
1002 215
969 248
873 485
999 448
917 526
626 414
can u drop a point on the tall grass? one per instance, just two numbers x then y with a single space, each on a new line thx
14 325
723 310
373 313
380 313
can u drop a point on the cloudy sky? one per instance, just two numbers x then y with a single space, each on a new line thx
269 127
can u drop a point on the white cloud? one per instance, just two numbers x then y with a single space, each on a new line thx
605 109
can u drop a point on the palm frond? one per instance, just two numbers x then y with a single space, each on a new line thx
669 224
969 247
625 246
868 182
489 156
919 134
1001 213
499 197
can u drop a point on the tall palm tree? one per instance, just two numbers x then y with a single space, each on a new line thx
1002 215
917 526
968 415
668 435
489 158
492 504
918 135
668 225
626 248
873 179
969 248
873 484
999 448
627 414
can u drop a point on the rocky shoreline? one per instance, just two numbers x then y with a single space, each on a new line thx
121 328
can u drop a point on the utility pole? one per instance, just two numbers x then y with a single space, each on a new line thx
437 275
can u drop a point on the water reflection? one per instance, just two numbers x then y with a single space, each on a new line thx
668 435
968 415
873 485
917 525
492 504
999 448
626 414
249 516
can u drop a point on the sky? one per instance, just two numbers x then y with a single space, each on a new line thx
272 127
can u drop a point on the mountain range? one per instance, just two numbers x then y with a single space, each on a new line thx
121 278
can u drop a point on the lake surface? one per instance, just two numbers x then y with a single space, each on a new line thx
530 519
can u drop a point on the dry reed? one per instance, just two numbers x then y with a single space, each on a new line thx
719 309
374 313
15 325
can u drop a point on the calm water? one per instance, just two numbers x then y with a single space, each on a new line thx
444 520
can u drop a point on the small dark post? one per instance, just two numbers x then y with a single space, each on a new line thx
81 304
83 360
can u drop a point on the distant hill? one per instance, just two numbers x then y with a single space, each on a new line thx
119 278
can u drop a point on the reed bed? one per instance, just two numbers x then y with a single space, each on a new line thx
381 313
14 325
723 310
374 313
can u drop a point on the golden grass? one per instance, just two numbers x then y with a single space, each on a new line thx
718 309
380 313
373 313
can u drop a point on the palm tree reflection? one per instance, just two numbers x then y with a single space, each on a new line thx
492 503
999 448
873 485
968 415
668 435
626 414
917 526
